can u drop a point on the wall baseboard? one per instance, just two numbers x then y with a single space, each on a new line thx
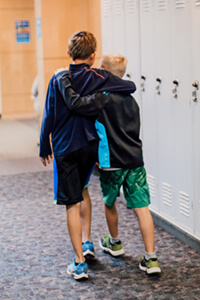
177 232
18 116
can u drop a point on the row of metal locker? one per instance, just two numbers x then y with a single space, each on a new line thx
161 40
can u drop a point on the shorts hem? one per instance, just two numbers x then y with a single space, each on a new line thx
108 204
140 205
68 202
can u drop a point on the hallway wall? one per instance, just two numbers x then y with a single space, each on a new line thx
51 23
17 60
57 21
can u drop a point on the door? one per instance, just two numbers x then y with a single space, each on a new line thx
195 94
107 28
165 114
182 108
132 43
149 101
113 26
118 40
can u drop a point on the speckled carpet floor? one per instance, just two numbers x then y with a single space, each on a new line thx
35 250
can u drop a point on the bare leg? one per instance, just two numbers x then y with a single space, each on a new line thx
86 215
75 230
112 219
146 227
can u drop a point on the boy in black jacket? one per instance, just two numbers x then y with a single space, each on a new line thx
120 158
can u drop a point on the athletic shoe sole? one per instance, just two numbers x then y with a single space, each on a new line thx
78 276
153 270
89 254
113 253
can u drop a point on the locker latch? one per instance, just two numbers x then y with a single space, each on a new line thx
158 80
194 93
174 91
143 78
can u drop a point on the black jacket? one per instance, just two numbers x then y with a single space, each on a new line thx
118 124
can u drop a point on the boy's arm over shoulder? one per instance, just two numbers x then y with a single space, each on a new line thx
90 105
47 121
112 83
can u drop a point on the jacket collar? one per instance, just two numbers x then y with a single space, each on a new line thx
76 67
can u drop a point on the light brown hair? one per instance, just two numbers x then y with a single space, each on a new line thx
81 45
114 63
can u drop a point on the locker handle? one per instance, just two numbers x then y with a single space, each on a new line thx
174 91
175 82
196 84
158 80
143 78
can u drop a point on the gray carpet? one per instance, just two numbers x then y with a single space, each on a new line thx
35 250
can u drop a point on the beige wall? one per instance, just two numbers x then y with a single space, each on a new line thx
59 20
17 61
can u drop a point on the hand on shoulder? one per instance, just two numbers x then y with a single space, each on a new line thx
61 70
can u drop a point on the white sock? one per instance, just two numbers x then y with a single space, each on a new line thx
113 241
150 255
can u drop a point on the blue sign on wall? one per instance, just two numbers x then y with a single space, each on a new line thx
38 27
22 32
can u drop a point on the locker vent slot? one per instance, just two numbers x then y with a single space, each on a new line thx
184 204
131 5
152 185
117 7
106 8
197 2
167 194
162 4
146 5
180 3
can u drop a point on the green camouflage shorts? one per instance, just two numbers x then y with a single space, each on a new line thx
134 183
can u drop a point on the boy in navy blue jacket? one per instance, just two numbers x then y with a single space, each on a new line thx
74 140
120 158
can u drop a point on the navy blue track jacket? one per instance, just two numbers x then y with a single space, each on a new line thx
70 132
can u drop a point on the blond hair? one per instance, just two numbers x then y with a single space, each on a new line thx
81 45
114 63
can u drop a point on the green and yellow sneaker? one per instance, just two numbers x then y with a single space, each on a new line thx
115 249
150 266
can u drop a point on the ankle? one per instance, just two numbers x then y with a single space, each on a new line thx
86 240
150 255
114 240
77 262
79 259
